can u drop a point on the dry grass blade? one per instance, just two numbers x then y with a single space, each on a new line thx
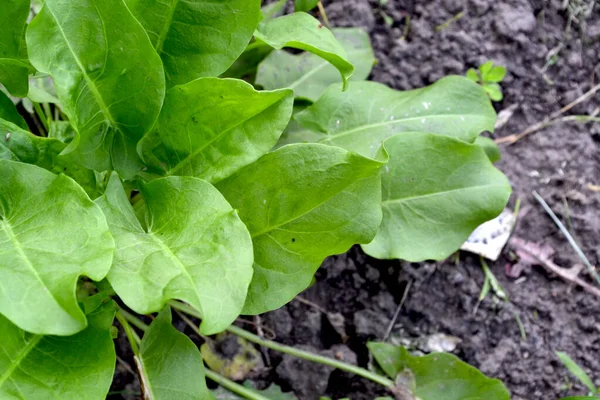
569 237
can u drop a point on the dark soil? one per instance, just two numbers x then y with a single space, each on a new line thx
550 63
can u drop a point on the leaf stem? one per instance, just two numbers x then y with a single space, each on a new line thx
41 116
234 387
133 320
323 14
294 351
133 338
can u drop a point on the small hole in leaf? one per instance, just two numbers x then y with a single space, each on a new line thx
293 240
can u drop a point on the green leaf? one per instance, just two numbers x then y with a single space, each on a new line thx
302 203
195 249
211 127
490 147
50 234
576 370
107 76
439 375
8 112
308 74
305 5
485 69
197 38
14 66
19 145
472 75
304 32
361 118
494 91
496 74
78 367
171 363
436 191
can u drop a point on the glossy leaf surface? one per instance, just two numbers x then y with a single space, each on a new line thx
435 190
304 32
197 38
211 127
78 367
171 363
439 375
14 66
309 75
50 234
194 248
301 204
361 118
107 75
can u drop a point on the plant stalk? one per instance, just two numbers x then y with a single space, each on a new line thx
294 351
234 387
323 14
133 338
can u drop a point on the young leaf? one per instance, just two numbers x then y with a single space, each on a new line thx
436 191
170 362
496 74
439 375
305 5
197 38
210 128
576 370
8 112
107 76
472 75
302 203
14 66
490 147
304 32
39 268
368 113
78 367
494 91
309 75
485 69
20 145
195 249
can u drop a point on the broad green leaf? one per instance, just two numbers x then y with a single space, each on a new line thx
197 38
436 191
171 363
304 32
361 118
50 234
439 375
78 367
576 370
305 5
41 90
8 112
309 75
107 76
20 145
490 147
302 203
210 128
195 249
14 66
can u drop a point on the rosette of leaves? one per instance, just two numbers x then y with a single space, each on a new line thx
144 176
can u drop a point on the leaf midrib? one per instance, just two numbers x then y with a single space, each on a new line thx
19 248
16 362
89 81
330 138
200 149
166 27
443 192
